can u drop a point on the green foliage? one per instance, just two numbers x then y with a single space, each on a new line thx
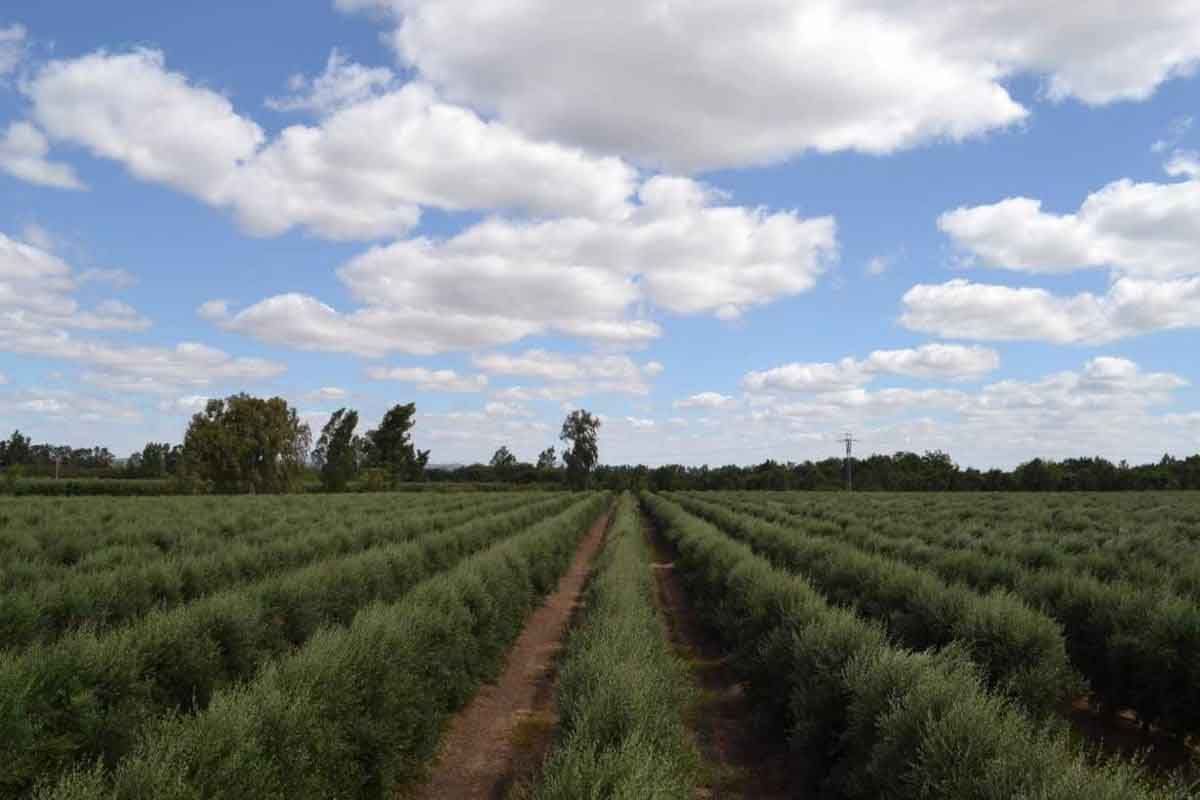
247 444
580 428
357 711
867 719
1134 634
1020 650
622 692
547 460
88 694
337 452
389 446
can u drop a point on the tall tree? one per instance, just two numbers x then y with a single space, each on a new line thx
580 428
337 451
245 443
18 450
503 462
390 447
547 460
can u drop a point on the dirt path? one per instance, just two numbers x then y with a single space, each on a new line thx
504 732
740 760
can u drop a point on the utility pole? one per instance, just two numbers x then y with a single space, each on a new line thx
848 438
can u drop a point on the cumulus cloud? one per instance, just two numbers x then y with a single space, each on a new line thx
965 310
38 312
578 374
1138 229
707 400
343 83
36 295
731 83
305 323
430 380
952 361
502 280
363 172
945 361
23 150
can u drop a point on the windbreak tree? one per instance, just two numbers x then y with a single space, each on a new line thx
580 428
247 444
389 446
337 452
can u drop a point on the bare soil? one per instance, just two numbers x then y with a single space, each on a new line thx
503 734
1121 734
741 759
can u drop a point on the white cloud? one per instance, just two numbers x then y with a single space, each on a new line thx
1138 229
952 361
327 394
362 173
707 400
641 424
809 377
731 83
12 48
3 379
499 409
303 322
1107 407
129 108
930 361
23 150
557 393
37 311
430 380
188 404
343 83
1184 164
36 289
577 374
64 406
965 310
500 281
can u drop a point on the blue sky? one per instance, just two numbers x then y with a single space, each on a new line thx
733 229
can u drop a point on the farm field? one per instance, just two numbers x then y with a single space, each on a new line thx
732 644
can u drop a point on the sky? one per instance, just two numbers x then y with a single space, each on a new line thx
734 229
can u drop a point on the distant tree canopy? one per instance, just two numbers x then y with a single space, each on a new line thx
503 462
247 444
338 451
390 448
547 460
580 428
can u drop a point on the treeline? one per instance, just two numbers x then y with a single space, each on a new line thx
900 472
248 444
